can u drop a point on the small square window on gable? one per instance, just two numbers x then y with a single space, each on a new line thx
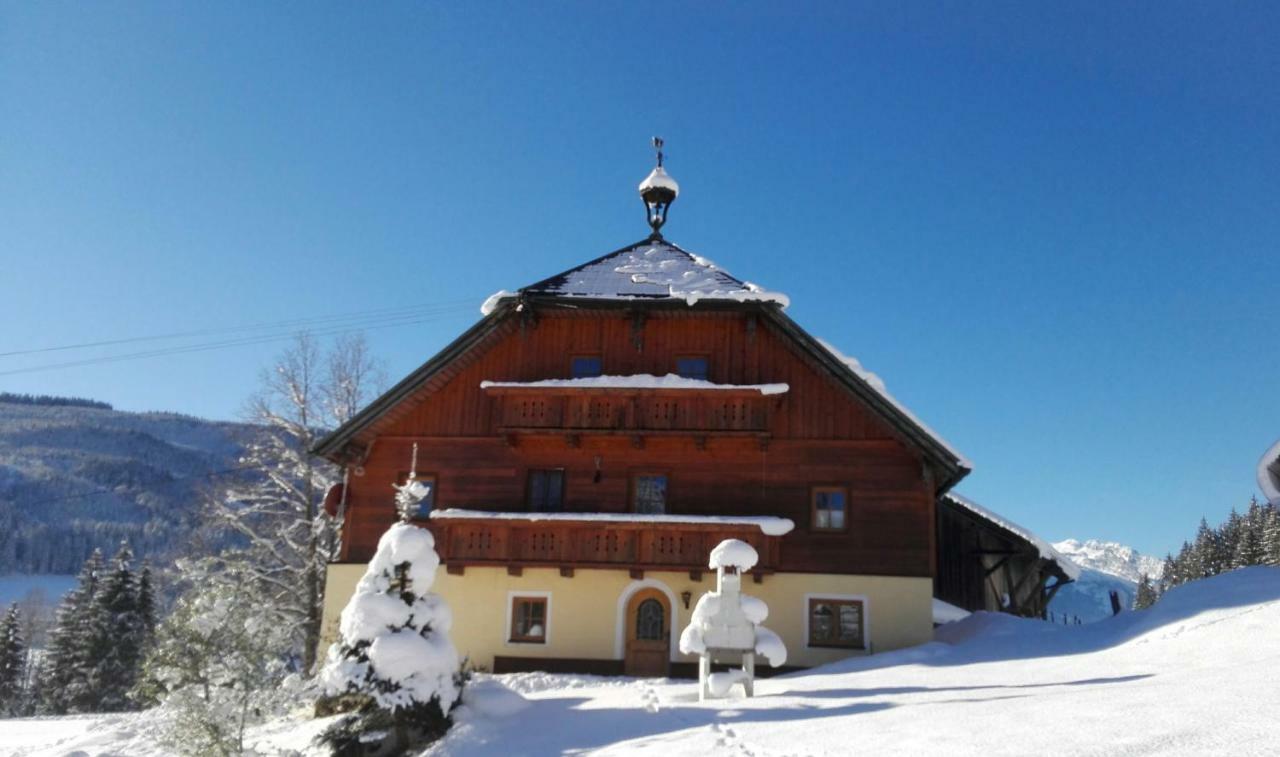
428 502
529 620
830 508
693 367
586 366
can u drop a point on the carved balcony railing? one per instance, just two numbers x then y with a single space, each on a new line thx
565 540
632 410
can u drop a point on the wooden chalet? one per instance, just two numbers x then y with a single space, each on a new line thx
596 433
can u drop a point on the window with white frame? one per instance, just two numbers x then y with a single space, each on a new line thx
529 614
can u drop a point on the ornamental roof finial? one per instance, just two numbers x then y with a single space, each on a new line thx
658 191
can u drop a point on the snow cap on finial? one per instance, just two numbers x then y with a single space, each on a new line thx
658 191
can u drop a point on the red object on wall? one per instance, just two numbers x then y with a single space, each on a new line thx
333 499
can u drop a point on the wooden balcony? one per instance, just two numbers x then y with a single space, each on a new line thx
632 411
561 540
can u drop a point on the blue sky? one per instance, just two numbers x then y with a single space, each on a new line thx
1052 230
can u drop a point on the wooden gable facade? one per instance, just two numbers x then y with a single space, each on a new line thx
719 452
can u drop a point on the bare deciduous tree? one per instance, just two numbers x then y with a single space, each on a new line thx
285 538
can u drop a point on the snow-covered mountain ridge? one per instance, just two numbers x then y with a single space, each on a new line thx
75 477
1111 558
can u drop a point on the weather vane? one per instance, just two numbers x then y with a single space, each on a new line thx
657 145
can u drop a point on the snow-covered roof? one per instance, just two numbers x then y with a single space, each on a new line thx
1045 548
637 381
1269 474
876 383
769 525
650 270
658 177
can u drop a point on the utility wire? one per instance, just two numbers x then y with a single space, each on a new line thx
293 323
348 327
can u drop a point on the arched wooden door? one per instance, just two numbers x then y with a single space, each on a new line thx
648 622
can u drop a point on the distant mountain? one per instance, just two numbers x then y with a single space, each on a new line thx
1107 566
1111 558
77 475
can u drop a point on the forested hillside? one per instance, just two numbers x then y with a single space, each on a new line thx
78 475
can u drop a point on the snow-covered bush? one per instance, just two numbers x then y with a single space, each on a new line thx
215 669
394 666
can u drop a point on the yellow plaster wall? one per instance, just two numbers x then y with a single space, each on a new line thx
584 610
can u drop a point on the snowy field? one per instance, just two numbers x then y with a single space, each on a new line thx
1197 674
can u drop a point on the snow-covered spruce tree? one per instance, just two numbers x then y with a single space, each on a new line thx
13 663
117 636
285 537
1271 535
1146 595
394 668
215 666
1249 549
65 680
146 605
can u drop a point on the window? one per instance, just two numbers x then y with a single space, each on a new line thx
650 621
837 623
649 493
544 492
692 367
529 620
428 503
830 508
586 366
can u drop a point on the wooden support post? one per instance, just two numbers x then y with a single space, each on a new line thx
695 575
566 572
455 570
637 574
515 570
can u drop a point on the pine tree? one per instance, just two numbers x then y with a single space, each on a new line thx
394 665
146 605
1146 594
1169 576
1248 549
1271 535
1207 558
13 663
65 679
1229 534
116 639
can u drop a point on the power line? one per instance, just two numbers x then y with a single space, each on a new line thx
375 323
292 323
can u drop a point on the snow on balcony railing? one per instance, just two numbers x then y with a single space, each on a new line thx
636 381
769 525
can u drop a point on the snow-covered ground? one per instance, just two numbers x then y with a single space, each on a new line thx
1196 674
